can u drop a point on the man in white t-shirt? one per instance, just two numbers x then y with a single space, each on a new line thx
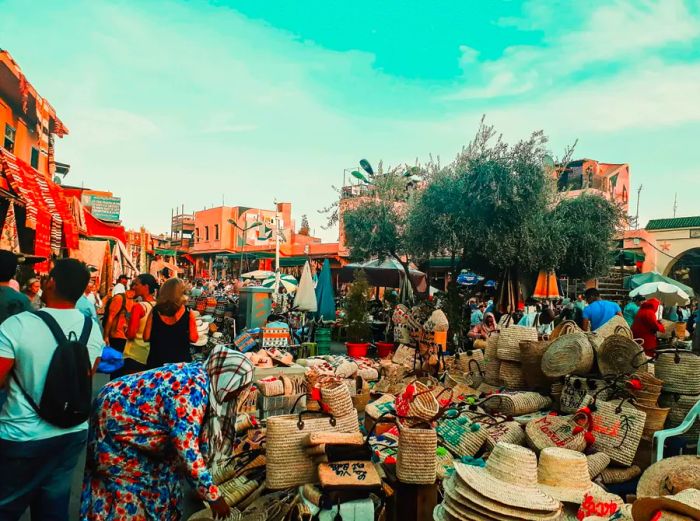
120 286
37 458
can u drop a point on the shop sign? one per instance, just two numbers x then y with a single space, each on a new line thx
105 208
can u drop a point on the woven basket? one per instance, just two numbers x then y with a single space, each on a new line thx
615 475
511 375
270 387
656 417
556 391
648 395
575 393
360 401
506 432
491 361
463 359
458 437
422 404
568 354
338 399
287 462
515 404
566 327
554 431
669 328
405 355
454 379
508 347
416 459
679 371
619 354
531 354
680 406
597 463
615 325
680 330
383 405
618 430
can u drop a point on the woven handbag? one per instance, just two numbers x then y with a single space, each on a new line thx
566 327
679 371
511 375
568 354
374 410
417 401
656 417
576 390
508 347
492 364
463 358
475 373
515 404
338 399
613 327
416 461
618 427
461 435
287 462
556 431
531 354
405 355
620 354
505 432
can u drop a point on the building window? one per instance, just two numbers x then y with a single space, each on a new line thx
9 143
206 233
35 158
216 232
197 238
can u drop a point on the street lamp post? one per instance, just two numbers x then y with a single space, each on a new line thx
243 230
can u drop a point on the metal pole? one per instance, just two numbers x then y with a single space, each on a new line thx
277 249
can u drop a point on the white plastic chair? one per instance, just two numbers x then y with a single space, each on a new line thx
660 437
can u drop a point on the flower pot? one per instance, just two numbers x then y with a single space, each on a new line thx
384 349
357 350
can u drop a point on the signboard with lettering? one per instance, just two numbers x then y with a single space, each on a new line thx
105 208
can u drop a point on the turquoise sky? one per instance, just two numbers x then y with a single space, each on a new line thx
195 102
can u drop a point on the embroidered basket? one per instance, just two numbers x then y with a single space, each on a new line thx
461 436
618 429
555 431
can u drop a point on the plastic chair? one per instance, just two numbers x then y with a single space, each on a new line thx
657 453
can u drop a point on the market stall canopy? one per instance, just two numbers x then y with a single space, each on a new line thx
258 275
634 281
324 293
628 257
668 294
547 287
468 278
305 299
287 281
386 273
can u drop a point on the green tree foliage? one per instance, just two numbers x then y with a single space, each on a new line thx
356 310
586 225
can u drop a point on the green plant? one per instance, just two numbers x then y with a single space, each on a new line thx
356 310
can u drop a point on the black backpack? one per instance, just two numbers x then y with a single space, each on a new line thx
67 395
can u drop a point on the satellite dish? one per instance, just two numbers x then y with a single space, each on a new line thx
359 175
366 166
57 180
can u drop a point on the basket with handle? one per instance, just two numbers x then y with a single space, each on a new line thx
568 354
511 375
568 432
564 328
492 363
475 373
417 401
509 339
614 326
287 462
531 353
338 399
679 371
515 404
463 432
620 354
619 427
680 405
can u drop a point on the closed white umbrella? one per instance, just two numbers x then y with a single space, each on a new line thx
305 299
668 294
258 275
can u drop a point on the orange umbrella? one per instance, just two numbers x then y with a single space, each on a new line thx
546 286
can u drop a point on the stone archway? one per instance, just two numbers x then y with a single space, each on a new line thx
685 268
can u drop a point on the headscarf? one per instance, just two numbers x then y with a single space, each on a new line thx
228 372
485 323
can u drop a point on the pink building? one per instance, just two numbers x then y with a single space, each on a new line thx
611 180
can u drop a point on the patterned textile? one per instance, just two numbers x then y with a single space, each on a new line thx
143 429
228 372
9 240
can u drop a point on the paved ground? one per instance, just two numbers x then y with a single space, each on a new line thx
191 505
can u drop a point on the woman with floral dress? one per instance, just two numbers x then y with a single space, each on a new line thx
147 426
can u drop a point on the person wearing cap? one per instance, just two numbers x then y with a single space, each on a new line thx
33 291
631 309
11 300
149 428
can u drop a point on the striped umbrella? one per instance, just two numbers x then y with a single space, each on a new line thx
287 281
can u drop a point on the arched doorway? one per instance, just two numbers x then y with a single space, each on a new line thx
686 269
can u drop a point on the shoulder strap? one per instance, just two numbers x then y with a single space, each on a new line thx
51 323
87 329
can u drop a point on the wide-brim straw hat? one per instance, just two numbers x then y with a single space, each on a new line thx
597 463
669 476
684 505
563 474
509 477
459 505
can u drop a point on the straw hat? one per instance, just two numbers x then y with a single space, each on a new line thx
563 474
684 505
597 463
615 474
471 503
669 476
509 477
